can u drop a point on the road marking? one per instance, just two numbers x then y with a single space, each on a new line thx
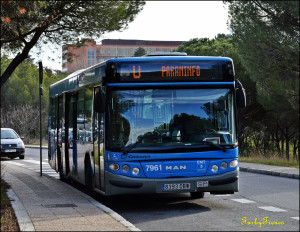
34 161
223 195
12 162
297 218
48 172
272 209
45 170
53 174
244 201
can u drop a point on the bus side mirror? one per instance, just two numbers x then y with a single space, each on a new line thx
240 95
99 102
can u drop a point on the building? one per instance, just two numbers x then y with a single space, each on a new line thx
79 57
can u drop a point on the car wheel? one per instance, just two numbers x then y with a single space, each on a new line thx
12 157
21 157
197 195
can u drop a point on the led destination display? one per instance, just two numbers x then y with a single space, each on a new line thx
209 70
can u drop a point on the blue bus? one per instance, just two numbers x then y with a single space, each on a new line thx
151 124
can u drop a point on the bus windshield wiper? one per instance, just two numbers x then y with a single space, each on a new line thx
214 145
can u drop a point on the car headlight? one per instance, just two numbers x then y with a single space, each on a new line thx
21 145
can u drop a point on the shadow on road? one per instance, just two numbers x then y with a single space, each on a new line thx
153 207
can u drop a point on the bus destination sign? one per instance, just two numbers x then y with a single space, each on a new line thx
170 71
173 71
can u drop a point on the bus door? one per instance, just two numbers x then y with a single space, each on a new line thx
52 132
60 132
72 133
65 134
98 141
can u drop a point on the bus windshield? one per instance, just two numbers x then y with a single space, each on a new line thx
170 118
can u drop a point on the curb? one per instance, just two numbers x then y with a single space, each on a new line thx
107 210
36 146
22 216
269 172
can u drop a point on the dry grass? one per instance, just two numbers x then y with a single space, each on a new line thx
270 159
8 218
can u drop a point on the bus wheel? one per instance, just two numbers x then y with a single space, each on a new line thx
88 178
197 195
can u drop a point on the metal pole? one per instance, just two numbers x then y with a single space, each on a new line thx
40 98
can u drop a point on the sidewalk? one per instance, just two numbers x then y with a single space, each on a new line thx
48 204
270 170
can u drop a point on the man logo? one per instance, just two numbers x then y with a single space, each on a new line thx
180 167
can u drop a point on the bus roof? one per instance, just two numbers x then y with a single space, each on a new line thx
95 73
168 58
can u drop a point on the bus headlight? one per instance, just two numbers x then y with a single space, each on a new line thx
135 171
224 165
114 167
233 163
214 168
125 168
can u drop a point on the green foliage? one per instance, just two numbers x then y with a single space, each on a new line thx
259 129
266 34
23 86
63 20
139 52
20 99
26 24
267 38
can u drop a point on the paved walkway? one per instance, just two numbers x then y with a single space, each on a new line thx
270 170
47 204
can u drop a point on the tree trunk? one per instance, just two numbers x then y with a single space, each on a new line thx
287 147
20 57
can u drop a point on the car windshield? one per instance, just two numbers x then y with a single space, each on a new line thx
170 117
8 134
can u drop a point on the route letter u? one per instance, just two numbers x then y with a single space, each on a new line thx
134 75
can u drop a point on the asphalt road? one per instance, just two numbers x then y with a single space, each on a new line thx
262 198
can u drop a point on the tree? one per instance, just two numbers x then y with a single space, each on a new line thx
19 98
25 24
139 52
267 37
223 45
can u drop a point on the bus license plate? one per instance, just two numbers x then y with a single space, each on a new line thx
176 186
11 150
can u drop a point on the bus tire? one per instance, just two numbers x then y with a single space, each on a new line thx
88 178
197 195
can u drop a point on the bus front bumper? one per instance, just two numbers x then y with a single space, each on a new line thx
215 184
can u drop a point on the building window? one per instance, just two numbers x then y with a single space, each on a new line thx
91 57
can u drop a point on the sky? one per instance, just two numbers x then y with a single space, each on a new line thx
163 20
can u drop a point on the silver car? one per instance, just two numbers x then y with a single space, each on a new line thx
11 144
